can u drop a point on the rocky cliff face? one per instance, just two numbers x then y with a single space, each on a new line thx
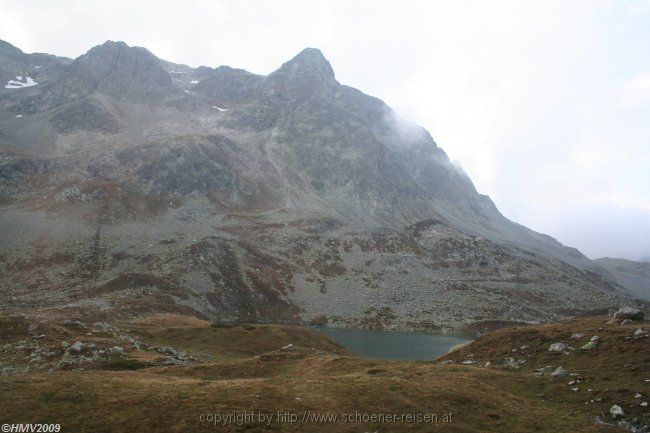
281 197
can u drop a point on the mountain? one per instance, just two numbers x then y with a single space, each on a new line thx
635 276
131 183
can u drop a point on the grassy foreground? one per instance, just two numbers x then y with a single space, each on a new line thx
294 375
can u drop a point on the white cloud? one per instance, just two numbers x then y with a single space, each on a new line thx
637 91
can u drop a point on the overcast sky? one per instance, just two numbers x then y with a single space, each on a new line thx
545 104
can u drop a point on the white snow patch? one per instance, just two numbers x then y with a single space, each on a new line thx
194 81
37 67
18 116
220 109
13 84
177 72
186 91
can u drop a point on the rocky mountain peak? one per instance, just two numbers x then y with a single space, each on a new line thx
122 71
311 56
308 73
7 48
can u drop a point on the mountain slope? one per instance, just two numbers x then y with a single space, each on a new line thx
635 276
284 197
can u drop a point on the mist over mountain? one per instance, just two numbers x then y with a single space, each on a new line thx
131 183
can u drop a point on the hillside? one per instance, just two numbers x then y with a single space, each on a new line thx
635 276
287 198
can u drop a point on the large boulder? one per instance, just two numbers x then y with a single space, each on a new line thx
629 313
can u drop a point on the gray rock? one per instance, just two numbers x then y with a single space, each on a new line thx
599 420
595 338
616 411
559 372
589 346
168 350
632 427
629 313
577 336
77 347
626 322
640 332
557 347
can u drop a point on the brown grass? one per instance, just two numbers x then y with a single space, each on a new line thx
250 372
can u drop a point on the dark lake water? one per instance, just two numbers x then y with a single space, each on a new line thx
394 344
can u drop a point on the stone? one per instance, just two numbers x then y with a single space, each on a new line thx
543 370
616 411
559 372
116 350
557 347
287 347
644 404
595 338
77 347
589 346
577 336
640 332
629 313
599 420
626 322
